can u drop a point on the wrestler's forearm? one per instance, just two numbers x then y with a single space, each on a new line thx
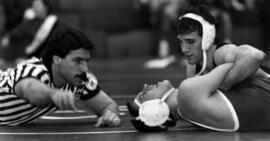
206 84
215 78
244 66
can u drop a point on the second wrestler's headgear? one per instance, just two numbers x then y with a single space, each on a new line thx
208 35
152 115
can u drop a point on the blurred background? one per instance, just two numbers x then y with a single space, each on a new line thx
135 40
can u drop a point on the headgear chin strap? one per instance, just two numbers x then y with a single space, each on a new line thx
154 112
208 37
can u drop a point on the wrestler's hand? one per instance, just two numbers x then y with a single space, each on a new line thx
109 119
65 100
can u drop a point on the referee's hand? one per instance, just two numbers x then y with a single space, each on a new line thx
108 119
65 100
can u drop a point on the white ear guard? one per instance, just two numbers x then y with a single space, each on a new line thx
208 37
154 112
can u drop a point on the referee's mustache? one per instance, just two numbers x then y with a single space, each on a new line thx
82 76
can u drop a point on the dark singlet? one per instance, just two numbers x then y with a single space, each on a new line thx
251 101
199 67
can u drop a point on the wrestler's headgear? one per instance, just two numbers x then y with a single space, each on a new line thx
208 35
152 115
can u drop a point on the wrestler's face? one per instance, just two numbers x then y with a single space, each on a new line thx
155 91
191 47
74 65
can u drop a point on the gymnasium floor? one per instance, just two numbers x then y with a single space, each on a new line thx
69 126
121 79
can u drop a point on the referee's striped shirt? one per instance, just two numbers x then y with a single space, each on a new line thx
17 111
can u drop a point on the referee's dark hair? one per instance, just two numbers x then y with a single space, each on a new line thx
61 43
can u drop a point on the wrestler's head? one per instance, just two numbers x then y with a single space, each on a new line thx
196 34
150 108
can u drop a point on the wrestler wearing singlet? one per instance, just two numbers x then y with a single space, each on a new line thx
250 100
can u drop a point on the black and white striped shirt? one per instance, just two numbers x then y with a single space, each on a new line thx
17 111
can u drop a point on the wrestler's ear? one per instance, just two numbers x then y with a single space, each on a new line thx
57 59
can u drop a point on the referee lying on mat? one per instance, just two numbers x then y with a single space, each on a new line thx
39 86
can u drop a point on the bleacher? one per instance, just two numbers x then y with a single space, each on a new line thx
104 14
120 35
114 26
246 28
118 29
2 20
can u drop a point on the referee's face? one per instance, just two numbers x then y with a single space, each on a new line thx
74 66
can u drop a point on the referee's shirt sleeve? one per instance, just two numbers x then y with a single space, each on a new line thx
90 88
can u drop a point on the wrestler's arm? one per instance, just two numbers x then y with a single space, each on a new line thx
106 108
246 60
197 96
207 83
